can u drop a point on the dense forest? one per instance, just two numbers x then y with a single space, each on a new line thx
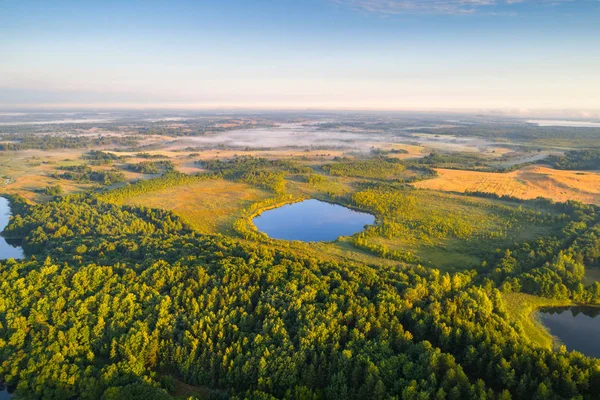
585 160
84 173
268 174
454 160
151 167
97 157
375 168
119 302
15 141
524 133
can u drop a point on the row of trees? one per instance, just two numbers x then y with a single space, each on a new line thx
84 173
168 180
151 167
582 160
16 141
261 172
373 168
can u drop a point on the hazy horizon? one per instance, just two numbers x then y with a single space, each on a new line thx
463 55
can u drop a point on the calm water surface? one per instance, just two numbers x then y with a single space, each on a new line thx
311 221
7 250
5 394
578 328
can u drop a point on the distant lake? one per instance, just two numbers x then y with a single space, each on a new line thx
571 124
7 250
311 221
578 328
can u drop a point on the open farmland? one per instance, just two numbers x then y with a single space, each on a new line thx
527 183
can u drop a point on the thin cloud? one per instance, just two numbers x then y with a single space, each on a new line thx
436 6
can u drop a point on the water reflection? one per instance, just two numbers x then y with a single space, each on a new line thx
312 221
9 248
578 328
5 393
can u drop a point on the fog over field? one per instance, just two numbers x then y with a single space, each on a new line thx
291 135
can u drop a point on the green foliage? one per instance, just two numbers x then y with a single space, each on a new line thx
148 155
15 141
582 137
151 167
55 190
375 168
96 157
268 174
117 295
84 173
240 165
244 226
316 179
384 152
409 220
453 160
169 179
574 160
554 266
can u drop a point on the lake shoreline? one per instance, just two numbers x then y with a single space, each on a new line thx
10 247
311 220
569 324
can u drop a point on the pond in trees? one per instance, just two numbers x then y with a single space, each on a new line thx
5 394
578 328
8 249
311 221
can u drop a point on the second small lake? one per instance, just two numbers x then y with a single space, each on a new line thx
578 328
7 249
311 221
5 394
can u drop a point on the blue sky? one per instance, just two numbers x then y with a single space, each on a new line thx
404 54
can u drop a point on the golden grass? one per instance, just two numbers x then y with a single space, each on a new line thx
527 183
208 206
521 308
27 172
414 151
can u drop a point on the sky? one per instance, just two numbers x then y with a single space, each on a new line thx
347 54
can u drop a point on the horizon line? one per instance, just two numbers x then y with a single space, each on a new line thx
272 107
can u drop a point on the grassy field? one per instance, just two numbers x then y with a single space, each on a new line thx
27 172
447 231
444 230
208 206
526 183
213 206
521 309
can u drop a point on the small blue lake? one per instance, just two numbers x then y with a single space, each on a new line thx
7 250
578 328
5 394
311 221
